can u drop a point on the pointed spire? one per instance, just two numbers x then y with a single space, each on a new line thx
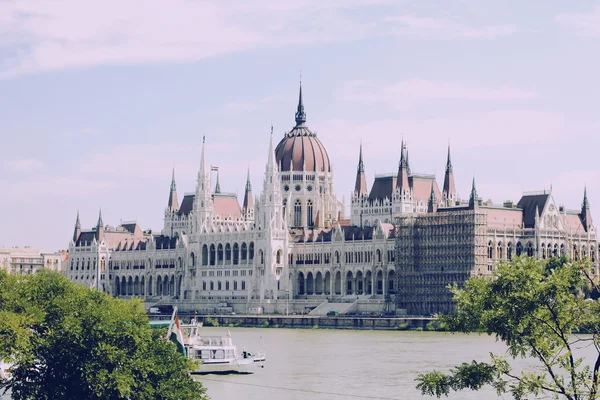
402 179
77 230
360 186
449 191
586 214
300 113
218 185
173 204
473 197
432 202
248 200
100 227
448 161
407 163
271 163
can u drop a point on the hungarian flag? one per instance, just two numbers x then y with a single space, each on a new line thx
177 336
214 168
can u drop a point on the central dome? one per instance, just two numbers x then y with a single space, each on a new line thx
300 148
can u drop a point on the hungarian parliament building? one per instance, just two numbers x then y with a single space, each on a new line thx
293 247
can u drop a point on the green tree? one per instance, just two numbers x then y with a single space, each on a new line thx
534 307
67 341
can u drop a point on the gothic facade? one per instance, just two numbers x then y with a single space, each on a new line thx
293 244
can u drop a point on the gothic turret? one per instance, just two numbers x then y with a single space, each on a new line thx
271 202
473 200
100 227
248 200
203 202
432 202
449 193
586 215
360 188
403 196
173 204
77 231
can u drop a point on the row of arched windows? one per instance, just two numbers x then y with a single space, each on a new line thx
228 254
226 286
546 251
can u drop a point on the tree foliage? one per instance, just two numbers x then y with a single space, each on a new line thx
67 341
537 308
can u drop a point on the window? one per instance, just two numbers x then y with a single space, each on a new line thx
298 213
243 285
309 213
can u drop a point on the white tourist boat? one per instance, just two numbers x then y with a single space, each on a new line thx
216 354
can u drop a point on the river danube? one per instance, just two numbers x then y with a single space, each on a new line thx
320 364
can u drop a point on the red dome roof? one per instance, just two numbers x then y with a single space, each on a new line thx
300 148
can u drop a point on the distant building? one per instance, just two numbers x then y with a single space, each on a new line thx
404 241
25 260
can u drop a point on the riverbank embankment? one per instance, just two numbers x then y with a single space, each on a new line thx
325 322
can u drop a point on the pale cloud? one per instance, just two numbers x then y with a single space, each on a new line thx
408 93
55 35
253 105
446 28
468 131
41 186
24 164
585 24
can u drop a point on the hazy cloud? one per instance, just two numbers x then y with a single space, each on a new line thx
24 164
405 94
446 28
585 24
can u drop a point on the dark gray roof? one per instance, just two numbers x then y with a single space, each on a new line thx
85 238
187 204
165 242
383 187
529 203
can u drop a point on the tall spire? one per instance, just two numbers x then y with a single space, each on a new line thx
271 163
77 230
173 204
432 202
449 191
473 202
361 181
586 214
407 163
100 227
402 180
300 113
248 200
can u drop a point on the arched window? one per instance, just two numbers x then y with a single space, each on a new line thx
298 213
193 257
220 253
226 285
262 257
244 251
490 250
337 257
234 285
378 255
251 251
278 256
509 251
203 285
212 285
309 214
499 251
205 255
219 285
212 254
530 249
227 252
236 253
243 285
519 248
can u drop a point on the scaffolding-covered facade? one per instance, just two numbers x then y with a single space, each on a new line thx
435 250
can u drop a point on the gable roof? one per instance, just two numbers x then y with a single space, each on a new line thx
383 187
187 204
528 204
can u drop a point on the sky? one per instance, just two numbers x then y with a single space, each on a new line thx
99 101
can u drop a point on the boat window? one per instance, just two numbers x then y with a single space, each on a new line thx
220 354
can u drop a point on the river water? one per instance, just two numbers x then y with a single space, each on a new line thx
321 364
